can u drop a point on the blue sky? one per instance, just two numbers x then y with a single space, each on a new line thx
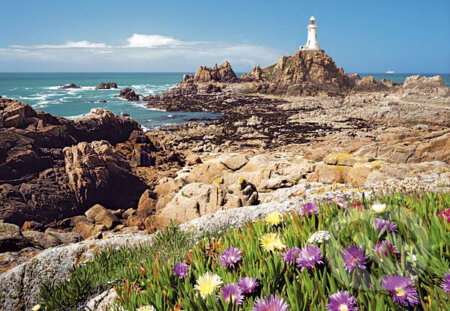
146 35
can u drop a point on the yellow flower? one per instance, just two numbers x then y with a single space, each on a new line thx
146 308
378 207
273 218
36 308
207 284
271 242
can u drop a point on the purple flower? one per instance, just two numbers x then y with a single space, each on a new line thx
309 208
248 285
309 256
291 255
402 290
230 257
381 224
340 203
180 269
271 303
342 301
446 283
233 293
385 248
354 257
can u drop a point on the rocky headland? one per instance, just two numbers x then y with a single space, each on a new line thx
299 130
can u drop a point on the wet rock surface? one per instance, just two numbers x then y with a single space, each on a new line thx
128 94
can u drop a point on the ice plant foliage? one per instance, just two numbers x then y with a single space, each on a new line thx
402 290
248 285
309 256
387 225
342 301
273 218
231 293
230 257
271 303
354 257
272 242
290 255
219 270
309 209
180 269
207 284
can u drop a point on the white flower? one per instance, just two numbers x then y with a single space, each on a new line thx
36 308
378 207
319 237
146 308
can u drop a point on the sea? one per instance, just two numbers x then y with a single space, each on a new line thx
40 90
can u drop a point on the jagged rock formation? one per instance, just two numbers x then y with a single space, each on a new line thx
224 73
304 73
42 181
106 86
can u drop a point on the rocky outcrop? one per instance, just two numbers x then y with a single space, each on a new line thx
369 84
304 73
41 182
224 73
106 86
128 94
69 86
422 85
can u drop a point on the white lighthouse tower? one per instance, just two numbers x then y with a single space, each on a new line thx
312 43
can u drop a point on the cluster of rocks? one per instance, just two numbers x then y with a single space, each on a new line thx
106 86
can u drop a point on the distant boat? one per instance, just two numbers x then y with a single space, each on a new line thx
390 71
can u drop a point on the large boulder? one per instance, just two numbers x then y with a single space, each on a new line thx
10 238
103 124
98 174
128 94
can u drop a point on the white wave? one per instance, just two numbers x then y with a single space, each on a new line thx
76 116
145 129
154 109
170 116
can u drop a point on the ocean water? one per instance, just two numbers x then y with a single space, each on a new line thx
40 90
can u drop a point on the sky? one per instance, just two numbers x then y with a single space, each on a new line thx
178 36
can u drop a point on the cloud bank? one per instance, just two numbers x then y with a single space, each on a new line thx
140 52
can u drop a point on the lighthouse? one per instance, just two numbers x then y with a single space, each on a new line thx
312 43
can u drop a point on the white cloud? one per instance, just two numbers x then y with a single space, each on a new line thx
141 52
150 41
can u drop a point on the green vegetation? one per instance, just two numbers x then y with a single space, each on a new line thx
145 276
